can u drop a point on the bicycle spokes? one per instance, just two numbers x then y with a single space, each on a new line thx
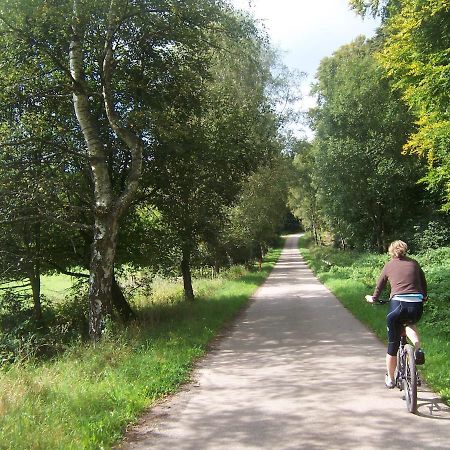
410 378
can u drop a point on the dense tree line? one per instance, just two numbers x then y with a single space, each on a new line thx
415 54
378 166
128 133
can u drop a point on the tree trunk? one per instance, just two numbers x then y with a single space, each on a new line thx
316 237
101 273
35 278
32 241
260 257
119 301
107 210
35 281
380 235
187 277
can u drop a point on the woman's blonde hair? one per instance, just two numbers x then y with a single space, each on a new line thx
397 249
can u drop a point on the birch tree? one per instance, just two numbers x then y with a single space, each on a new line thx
108 209
109 57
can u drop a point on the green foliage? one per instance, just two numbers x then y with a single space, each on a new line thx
210 137
365 188
260 208
85 399
374 7
434 234
302 197
415 53
23 338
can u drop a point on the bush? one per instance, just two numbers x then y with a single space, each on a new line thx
435 234
22 337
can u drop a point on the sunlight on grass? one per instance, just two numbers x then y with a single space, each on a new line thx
85 398
56 286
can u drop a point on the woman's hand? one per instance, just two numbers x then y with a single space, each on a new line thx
369 299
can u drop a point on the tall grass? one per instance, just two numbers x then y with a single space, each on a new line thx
85 398
351 275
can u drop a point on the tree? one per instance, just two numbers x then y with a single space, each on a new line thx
109 56
303 199
42 220
260 209
220 127
415 55
366 187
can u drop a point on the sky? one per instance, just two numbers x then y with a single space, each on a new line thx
305 31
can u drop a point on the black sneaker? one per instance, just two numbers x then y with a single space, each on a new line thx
419 356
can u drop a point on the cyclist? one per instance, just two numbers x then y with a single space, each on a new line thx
408 291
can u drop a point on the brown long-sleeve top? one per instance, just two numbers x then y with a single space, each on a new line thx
405 277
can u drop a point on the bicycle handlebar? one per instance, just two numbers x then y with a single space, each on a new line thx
369 299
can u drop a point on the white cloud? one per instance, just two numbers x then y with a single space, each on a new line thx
306 31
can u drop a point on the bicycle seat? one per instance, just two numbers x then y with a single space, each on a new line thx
406 323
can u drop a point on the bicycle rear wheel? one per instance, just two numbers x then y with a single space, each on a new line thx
400 370
410 379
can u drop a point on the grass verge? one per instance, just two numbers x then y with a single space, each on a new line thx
351 275
85 398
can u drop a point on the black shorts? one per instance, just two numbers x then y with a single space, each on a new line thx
399 313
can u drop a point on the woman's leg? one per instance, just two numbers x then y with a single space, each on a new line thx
413 312
391 364
394 331
413 335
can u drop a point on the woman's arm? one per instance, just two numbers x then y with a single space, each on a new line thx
424 283
381 283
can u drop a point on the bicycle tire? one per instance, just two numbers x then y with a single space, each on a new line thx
410 379
399 371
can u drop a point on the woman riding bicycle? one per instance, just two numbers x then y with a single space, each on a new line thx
408 291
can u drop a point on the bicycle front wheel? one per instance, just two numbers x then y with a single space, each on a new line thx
410 379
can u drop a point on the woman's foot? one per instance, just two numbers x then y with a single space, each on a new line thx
419 356
390 384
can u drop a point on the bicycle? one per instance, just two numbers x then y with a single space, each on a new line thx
406 375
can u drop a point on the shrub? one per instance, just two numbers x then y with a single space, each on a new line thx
435 234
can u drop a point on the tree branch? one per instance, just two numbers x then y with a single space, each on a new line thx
133 142
68 272
101 179
20 33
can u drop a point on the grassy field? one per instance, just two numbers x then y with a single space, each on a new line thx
85 398
351 275
57 286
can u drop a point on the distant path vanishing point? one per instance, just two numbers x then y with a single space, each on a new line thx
296 371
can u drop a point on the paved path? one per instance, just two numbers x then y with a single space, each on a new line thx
297 371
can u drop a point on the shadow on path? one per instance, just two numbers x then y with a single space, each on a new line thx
296 371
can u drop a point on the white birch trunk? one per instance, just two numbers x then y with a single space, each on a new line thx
107 210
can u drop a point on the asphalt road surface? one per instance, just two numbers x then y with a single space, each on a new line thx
296 371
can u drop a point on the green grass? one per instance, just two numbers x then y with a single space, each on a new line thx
85 398
352 275
55 287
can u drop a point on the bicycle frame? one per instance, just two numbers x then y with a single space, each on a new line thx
406 378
